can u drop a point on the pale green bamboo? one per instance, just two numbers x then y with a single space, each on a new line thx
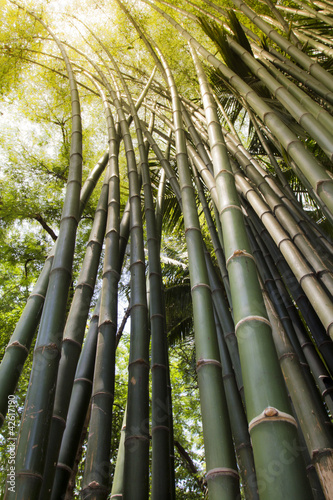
312 417
160 366
221 481
300 57
238 420
251 323
314 128
282 214
320 181
319 299
117 490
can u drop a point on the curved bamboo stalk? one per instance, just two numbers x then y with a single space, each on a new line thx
299 74
82 387
252 326
159 354
303 273
304 60
291 322
316 175
33 434
316 427
322 340
117 490
273 200
77 410
75 325
220 481
314 128
315 109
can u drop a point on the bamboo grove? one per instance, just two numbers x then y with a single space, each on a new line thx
243 150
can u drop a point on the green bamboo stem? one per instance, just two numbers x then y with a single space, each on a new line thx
327 20
312 106
221 475
313 419
318 178
213 235
20 342
291 322
299 74
314 128
251 324
285 25
33 434
226 322
95 478
117 490
300 57
82 387
77 410
137 428
283 216
323 342
316 36
238 420
319 299
73 338
300 175
159 359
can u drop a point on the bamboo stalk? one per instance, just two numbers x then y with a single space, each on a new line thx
33 434
312 417
20 342
73 337
252 327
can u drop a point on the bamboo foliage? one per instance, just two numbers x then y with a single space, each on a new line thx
225 149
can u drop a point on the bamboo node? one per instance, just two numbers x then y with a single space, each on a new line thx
252 318
16 343
201 362
320 183
271 414
239 253
221 471
317 454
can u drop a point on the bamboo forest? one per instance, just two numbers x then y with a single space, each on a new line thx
166 236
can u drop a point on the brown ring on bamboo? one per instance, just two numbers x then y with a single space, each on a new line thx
139 361
82 379
136 436
271 414
252 318
199 285
221 471
65 467
192 228
16 343
203 362
158 365
160 427
36 295
236 207
239 253
319 183
111 271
